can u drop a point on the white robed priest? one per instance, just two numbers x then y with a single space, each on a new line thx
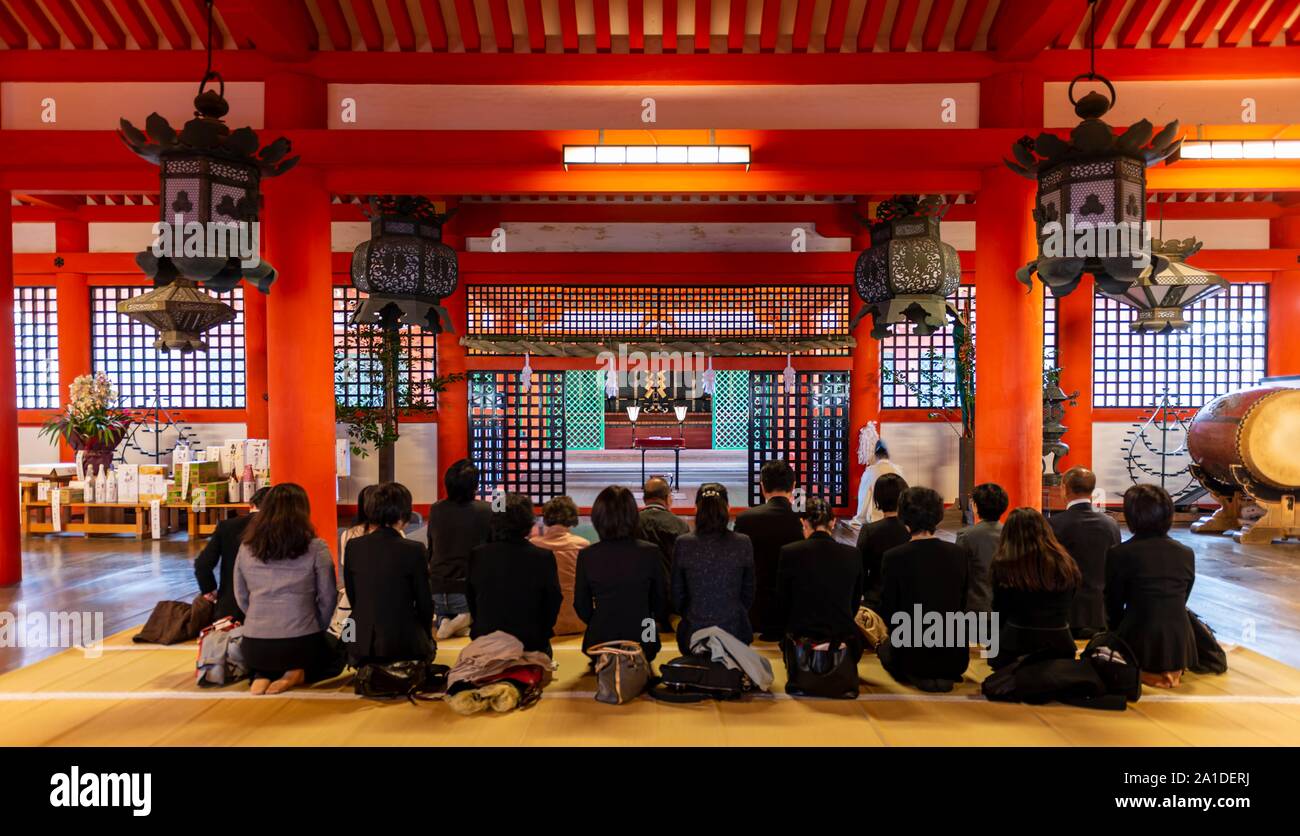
873 453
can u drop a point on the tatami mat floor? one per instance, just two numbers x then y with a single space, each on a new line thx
133 695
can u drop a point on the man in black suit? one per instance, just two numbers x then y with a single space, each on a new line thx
880 536
769 527
819 583
222 548
1087 534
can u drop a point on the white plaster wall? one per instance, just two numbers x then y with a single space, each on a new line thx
32 449
417 465
83 106
33 237
926 453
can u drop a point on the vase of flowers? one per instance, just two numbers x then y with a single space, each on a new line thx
91 421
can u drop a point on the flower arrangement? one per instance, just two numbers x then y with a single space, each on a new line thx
91 419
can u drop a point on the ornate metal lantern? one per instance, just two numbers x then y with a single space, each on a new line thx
908 271
180 312
1168 287
209 196
405 263
1091 206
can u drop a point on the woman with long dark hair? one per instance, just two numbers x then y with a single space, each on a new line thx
713 572
619 588
1034 580
284 583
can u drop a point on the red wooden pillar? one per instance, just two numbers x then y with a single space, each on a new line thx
72 235
299 311
453 403
1074 335
1284 299
11 554
1009 342
255 370
864 397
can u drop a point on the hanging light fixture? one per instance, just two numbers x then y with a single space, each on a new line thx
908 271
1091 206
1167 288
405 263
210 199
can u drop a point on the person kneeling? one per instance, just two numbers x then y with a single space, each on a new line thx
387 580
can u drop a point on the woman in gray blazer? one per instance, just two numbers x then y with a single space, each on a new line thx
284 583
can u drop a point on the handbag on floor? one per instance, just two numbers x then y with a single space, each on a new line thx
872 626
622 672
820 669
173 622
1210 655
399 679
696 678
220 660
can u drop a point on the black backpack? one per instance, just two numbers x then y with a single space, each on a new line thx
1105 676
820 669
399 679
697 677
1210 655
1116 664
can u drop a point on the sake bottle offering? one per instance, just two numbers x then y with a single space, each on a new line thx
101 484
247 485
264 479
110 487
232 490
88 485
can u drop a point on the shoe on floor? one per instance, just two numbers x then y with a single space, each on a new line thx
458 626
444 628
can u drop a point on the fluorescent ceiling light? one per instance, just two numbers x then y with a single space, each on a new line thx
656 155
1235 149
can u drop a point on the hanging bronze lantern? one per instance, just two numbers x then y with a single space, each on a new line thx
180 312
1091 207
405 264
1166 289
909 271
210 178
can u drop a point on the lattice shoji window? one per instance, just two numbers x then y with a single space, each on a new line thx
809 428
620 313
584 409
917 372
1225 348
731 410
517 438
1050 331
358 378
144 376
36 347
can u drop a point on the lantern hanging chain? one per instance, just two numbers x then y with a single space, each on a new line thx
208 73
1092 37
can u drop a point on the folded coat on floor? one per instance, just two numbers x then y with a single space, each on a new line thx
489 655
735 654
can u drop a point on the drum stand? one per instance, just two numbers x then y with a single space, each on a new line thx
1281 516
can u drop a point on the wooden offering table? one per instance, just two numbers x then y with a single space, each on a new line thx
203 523
661 442
93 518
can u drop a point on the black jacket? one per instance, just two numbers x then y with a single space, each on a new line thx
222 548
769 527
455 530
514 587
1087 535
873 541
387 580
819 588
1148 580
621 591
1032 622
930 573
662 527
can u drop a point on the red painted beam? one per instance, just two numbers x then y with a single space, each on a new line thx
104 24
1107 16
569 25
770 26
703 15
969 26
600 10
434 25
802 34
11 31
736 26
1065 38
1171 22
1024 28
173 28
1205 22
197 13
669 39
1239 21
281 30
74 28
137 23
635 26
403 26
372 35
536 25
900 34
502 31
1293 34
836 20
33 17
936 24
1270 25
1135 25
869 27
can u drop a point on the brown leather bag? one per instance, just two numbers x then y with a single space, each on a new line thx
172 622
